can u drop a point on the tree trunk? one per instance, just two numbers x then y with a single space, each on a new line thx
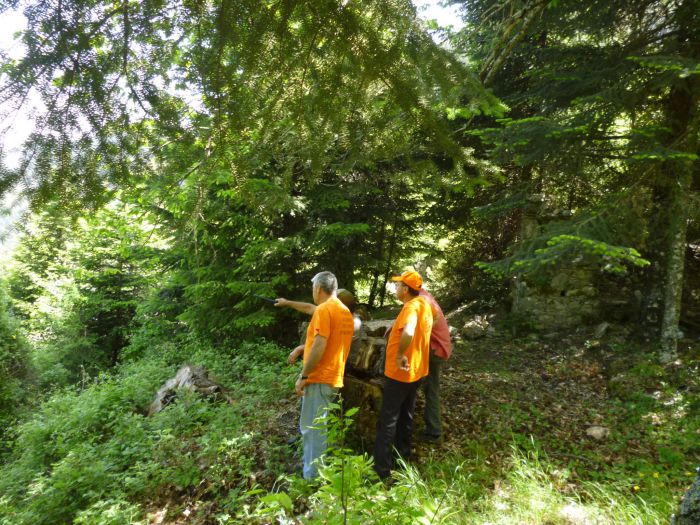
683 116
375 274
678 226
390 256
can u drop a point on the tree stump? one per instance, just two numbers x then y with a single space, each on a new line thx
190 377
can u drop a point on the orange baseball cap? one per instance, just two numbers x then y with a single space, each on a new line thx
410 278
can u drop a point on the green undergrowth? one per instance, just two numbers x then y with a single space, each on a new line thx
529 490
90 455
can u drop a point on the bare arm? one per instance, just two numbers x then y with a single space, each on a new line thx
304 308
404 342
295 354
318 347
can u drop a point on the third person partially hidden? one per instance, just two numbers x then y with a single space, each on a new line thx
440 351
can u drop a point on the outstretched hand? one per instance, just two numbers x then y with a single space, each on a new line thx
281 301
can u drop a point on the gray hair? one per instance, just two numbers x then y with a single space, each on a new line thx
326 281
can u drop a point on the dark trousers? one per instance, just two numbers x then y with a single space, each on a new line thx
395 423
431 388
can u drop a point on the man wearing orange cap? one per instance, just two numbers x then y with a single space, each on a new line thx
406 363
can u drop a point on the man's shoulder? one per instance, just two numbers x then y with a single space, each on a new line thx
426 294
323 306
422 302
414 305
423 306
321 310
336 307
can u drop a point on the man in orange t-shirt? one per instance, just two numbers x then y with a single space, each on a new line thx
328 340
346 297
406 363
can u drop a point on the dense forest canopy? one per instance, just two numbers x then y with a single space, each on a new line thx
314 127
188 157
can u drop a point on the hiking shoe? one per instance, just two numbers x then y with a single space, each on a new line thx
430 438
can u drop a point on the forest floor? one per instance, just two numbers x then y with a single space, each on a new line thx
523 405
542 393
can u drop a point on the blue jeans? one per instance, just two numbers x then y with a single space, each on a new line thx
314 404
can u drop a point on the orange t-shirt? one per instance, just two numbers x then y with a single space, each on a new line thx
419 310
332 320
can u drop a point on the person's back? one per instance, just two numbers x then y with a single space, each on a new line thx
333 320
327 346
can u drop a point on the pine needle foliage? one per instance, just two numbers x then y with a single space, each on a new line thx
259 86
602 98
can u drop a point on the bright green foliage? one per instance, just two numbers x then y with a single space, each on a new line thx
88 454
114 260
266 137
36 261
109 512
253 90
13 365
587 252
79 291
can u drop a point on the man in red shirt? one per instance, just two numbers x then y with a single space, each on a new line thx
440 351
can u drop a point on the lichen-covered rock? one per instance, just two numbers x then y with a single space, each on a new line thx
475 328
689 512
567 301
